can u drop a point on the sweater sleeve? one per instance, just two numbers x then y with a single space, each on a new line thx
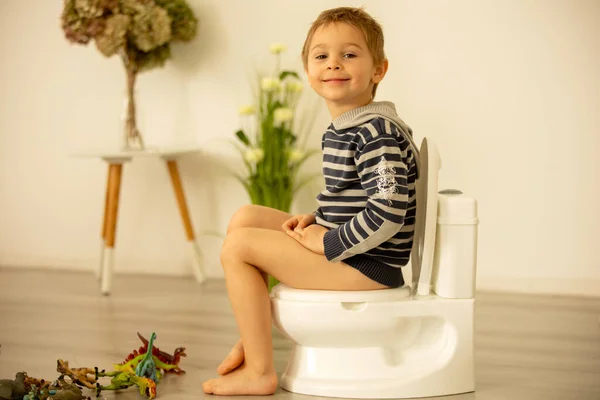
383 175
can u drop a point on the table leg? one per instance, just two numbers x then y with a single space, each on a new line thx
104 221
187 223
110 229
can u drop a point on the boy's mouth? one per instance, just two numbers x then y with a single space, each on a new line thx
336 80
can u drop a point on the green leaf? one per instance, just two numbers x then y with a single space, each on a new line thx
292 139
242 154
243 138
285 74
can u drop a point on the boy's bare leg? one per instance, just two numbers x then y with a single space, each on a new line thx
250 216
277 254
255 216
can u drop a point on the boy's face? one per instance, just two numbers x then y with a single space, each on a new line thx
340 67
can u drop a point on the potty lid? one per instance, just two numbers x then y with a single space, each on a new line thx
455 208
281 291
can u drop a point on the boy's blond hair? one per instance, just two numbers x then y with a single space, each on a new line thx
358 18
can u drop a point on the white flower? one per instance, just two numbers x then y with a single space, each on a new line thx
254 155
296 155
294 86
277 48
247 110
282 115
270 84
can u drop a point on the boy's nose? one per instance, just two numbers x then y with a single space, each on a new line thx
333 64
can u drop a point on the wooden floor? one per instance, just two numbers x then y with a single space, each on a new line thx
527 347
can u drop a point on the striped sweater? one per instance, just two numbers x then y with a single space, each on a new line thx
369 202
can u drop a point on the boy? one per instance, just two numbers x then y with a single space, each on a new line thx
362 232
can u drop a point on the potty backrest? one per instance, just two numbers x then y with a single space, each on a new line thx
426 218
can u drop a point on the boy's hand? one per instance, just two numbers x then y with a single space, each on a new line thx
310 237
300 221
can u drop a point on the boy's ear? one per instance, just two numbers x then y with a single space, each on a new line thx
380 71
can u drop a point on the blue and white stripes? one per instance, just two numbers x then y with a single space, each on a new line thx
369 201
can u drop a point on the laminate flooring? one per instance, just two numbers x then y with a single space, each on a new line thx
527 347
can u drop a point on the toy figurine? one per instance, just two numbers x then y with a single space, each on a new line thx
58 390
38 383
124 379
67 391
163 362
13 389
147 367
79 376
170 362
143 368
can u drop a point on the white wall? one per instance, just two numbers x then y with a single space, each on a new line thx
509 90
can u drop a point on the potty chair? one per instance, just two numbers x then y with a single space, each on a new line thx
412 341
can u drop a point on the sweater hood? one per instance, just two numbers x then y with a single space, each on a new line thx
383 109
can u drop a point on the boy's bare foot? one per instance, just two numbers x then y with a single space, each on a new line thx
234 359
243 381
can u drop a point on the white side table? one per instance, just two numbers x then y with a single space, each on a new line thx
115 161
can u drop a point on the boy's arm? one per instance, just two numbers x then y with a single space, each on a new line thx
383 174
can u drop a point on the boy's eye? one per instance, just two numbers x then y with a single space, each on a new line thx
321 57
349 55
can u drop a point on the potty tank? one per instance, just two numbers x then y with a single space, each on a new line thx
455 255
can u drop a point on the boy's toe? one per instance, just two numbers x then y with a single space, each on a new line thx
208 386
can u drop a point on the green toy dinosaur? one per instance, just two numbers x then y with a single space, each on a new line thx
147 366
123 380
169 362
163 362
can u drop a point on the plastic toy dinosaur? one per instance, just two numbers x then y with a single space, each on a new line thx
124 379
79 376
13 389
66 391
58 390
141 364
167 358
164 362
38 383
147 367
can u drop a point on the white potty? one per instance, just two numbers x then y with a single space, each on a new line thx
413 341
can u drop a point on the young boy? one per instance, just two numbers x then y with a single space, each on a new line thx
361 233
